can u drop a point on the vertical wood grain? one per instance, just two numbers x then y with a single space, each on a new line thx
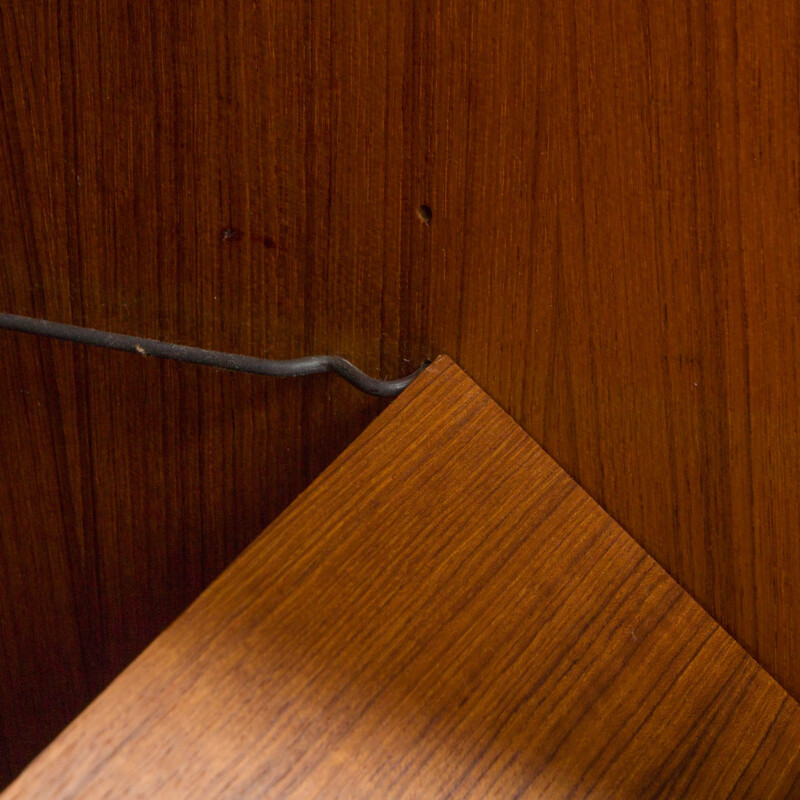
127 485
613 251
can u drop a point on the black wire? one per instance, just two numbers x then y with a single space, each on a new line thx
286 368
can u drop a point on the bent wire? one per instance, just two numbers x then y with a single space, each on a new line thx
282 368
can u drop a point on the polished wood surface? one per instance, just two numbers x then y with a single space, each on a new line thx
443 613
612 249
144 479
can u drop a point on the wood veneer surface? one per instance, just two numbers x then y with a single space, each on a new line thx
612 254
443 613
145 479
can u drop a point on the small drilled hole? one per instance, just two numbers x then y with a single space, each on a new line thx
425 214
230 234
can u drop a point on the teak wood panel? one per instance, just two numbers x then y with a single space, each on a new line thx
127 484
444 613
613 250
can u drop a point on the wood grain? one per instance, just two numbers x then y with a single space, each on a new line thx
145 479
612 254
443 613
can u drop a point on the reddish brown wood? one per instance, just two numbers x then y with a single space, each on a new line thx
613 250
107 461
443 613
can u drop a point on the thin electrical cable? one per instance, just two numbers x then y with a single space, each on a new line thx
280 368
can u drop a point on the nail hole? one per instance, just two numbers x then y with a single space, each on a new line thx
230 235
425 214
